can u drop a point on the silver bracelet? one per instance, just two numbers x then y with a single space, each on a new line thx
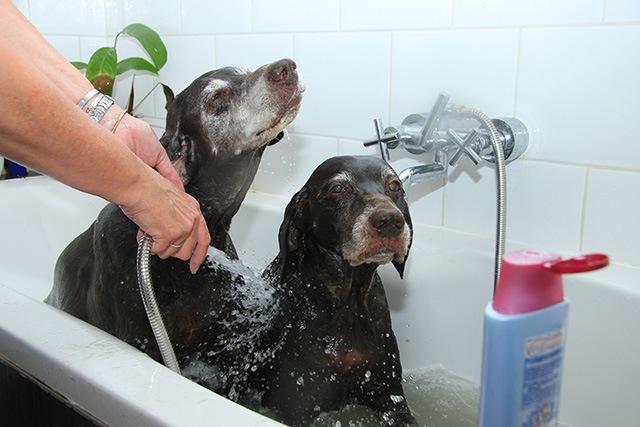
98 112
88 97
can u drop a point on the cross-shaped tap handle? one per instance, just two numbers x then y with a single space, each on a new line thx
464 146
382 140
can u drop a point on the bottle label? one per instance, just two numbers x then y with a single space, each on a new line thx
542 376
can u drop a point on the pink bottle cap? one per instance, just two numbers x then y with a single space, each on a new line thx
532 280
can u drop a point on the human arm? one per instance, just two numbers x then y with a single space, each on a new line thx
40 126
21 35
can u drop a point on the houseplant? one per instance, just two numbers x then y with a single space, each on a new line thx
104 67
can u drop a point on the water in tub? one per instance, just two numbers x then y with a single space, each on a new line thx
436 397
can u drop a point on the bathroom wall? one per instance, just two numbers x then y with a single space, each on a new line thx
567 68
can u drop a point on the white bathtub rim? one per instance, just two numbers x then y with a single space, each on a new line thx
109 379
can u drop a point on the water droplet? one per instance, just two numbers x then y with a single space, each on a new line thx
396 398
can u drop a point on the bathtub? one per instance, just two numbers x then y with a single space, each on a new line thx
437 315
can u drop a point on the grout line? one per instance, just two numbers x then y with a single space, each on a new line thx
517 72
390 88
584 209
251 11
582 165
442 210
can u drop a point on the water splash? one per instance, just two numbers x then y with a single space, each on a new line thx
241 318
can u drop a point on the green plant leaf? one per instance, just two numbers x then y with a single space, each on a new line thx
135 63
150 41
79 65
102 63
101 69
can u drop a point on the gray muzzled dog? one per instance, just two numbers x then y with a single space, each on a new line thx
217 130
337 346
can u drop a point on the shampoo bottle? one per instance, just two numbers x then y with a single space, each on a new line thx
524 338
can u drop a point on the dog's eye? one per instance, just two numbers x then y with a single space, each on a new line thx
337 189
394 186
217 103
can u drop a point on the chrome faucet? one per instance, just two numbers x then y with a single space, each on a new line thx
451 132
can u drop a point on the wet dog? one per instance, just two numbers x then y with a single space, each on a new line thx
217 130
337 346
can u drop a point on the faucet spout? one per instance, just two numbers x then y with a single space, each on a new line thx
415 174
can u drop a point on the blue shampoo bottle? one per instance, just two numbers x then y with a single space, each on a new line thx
524 338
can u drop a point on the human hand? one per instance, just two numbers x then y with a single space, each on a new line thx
187 236
171 217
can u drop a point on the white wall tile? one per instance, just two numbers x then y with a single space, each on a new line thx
476 68
544 205
397 15
88 46
354 147
348 82
68 17
187 58
500 13
577 87
622 10
115 15
215 16
611 217
163 16
470 199
252 50
292 15
286 166
68 46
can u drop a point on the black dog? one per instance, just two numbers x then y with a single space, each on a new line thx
338 346
217 130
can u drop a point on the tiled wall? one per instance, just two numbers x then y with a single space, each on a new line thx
568 68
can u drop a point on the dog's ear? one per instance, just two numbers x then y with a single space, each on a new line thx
403 205
290 236
180 148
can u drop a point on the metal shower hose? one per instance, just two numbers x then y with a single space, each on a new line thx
145 283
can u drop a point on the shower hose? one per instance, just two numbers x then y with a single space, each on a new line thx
145 283
501 188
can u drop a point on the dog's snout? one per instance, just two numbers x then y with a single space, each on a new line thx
283 72
387 222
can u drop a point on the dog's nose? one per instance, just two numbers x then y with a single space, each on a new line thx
283 72
388 222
